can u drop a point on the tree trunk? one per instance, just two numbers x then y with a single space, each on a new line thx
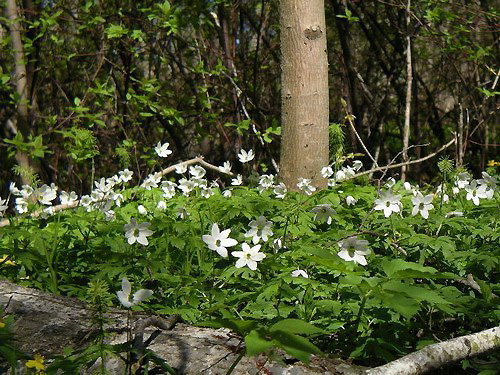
21 83
304 92
406 130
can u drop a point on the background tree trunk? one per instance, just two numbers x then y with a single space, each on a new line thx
21 80
304 91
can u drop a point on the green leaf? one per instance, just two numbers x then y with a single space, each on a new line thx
295 326
297 346
396 266
256 344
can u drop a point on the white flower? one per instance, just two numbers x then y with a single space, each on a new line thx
340 175
109 215
278 244
67 198
299 272
454 213
488 185
182 213
3 206
137 232
260 228
85 200
181 168
390 183
327 172
197 171
186 186
226 167
422 204
474 192
245 157
21 205
304 185
219 241
332 182
125 175
152 181
266 181
249 256
46 212
162 150
118 198
207 192
227 193
350 200
388 202
168 188
357 165
323 212
407 186
349 172
354 250
161 205
46 194
142 210
280 190
462 180
13 189
138 297
237 181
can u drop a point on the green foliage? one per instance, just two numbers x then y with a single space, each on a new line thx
82 144
411 282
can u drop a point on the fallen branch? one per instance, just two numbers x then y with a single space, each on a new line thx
440 354
381 169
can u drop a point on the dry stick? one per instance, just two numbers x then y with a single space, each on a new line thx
406 129
61 207
349 118
379 169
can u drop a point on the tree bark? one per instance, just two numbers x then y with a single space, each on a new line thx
21 80
304 92
406 130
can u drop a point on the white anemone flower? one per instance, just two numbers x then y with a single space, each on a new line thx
13 189
135 232
407 186
181 168
388 202
168 188
488 185
390 182
300 273
21 205
249 256
142 210
422 204
323 212
68 198
259 229
245 157
280 190
3 206
340 175
186 186
304 185
454 213
350 200
237 181
219 241
125 175
462 180
332 182
327 172
182 213
474 192
354 250
46 194
357 165
197 171
226 167
161 205
266 181
162 150
124 294
227 193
